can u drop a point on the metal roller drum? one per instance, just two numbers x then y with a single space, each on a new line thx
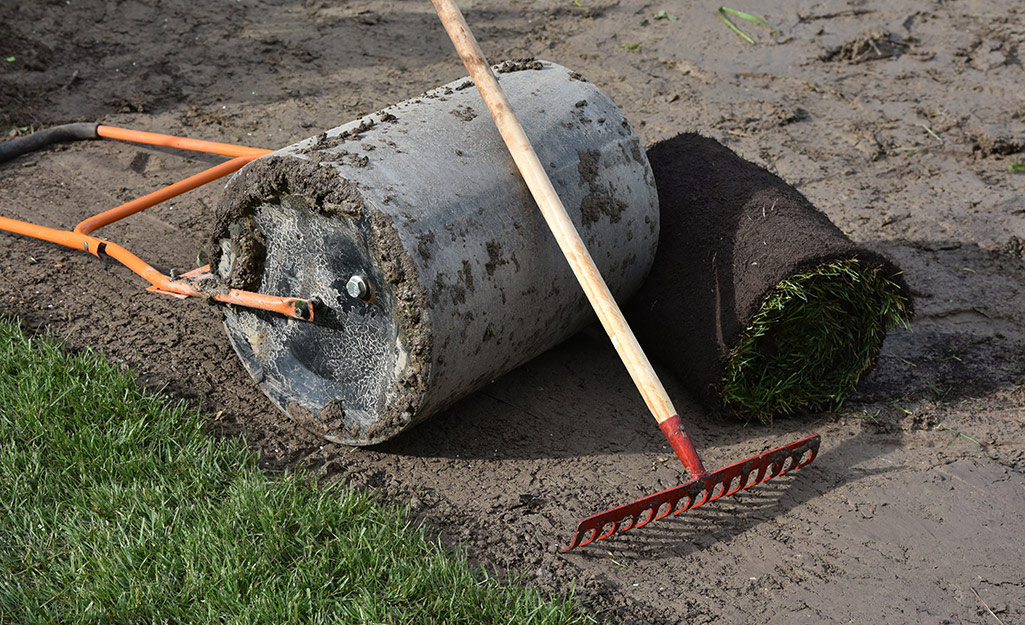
431 268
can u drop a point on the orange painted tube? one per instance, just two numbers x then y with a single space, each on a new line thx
74 240
289 306
130 208
182 143
295 307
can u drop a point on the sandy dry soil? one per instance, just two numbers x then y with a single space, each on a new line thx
897 118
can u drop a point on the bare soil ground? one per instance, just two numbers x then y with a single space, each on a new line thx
897 118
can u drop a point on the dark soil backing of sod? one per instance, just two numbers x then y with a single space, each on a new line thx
730 233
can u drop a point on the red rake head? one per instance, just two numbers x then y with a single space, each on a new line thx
697 492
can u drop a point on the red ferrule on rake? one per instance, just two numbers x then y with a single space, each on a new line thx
701 489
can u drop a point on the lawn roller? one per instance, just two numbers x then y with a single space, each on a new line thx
407 256
376 273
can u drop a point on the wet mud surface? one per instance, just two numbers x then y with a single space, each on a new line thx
897 119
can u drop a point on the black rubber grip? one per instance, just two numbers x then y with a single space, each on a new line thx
68 132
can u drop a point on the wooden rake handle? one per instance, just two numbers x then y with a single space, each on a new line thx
554 212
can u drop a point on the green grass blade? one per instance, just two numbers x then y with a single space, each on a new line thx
725 11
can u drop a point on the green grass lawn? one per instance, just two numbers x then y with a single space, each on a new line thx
116 507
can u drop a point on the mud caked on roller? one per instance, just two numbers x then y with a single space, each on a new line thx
430 268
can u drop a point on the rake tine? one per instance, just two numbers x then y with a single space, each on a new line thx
579 543
653 515
649 519
702 501
656 511
716 489
740 484
670 508
612 531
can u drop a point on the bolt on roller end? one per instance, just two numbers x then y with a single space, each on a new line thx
697 492
359 287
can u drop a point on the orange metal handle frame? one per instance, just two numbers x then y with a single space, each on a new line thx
147 201
182 143
186 285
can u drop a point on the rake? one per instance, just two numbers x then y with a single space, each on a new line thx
703 486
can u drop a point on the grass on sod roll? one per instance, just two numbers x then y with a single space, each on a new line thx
116 507
813 338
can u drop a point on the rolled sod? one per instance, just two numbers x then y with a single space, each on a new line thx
758 302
